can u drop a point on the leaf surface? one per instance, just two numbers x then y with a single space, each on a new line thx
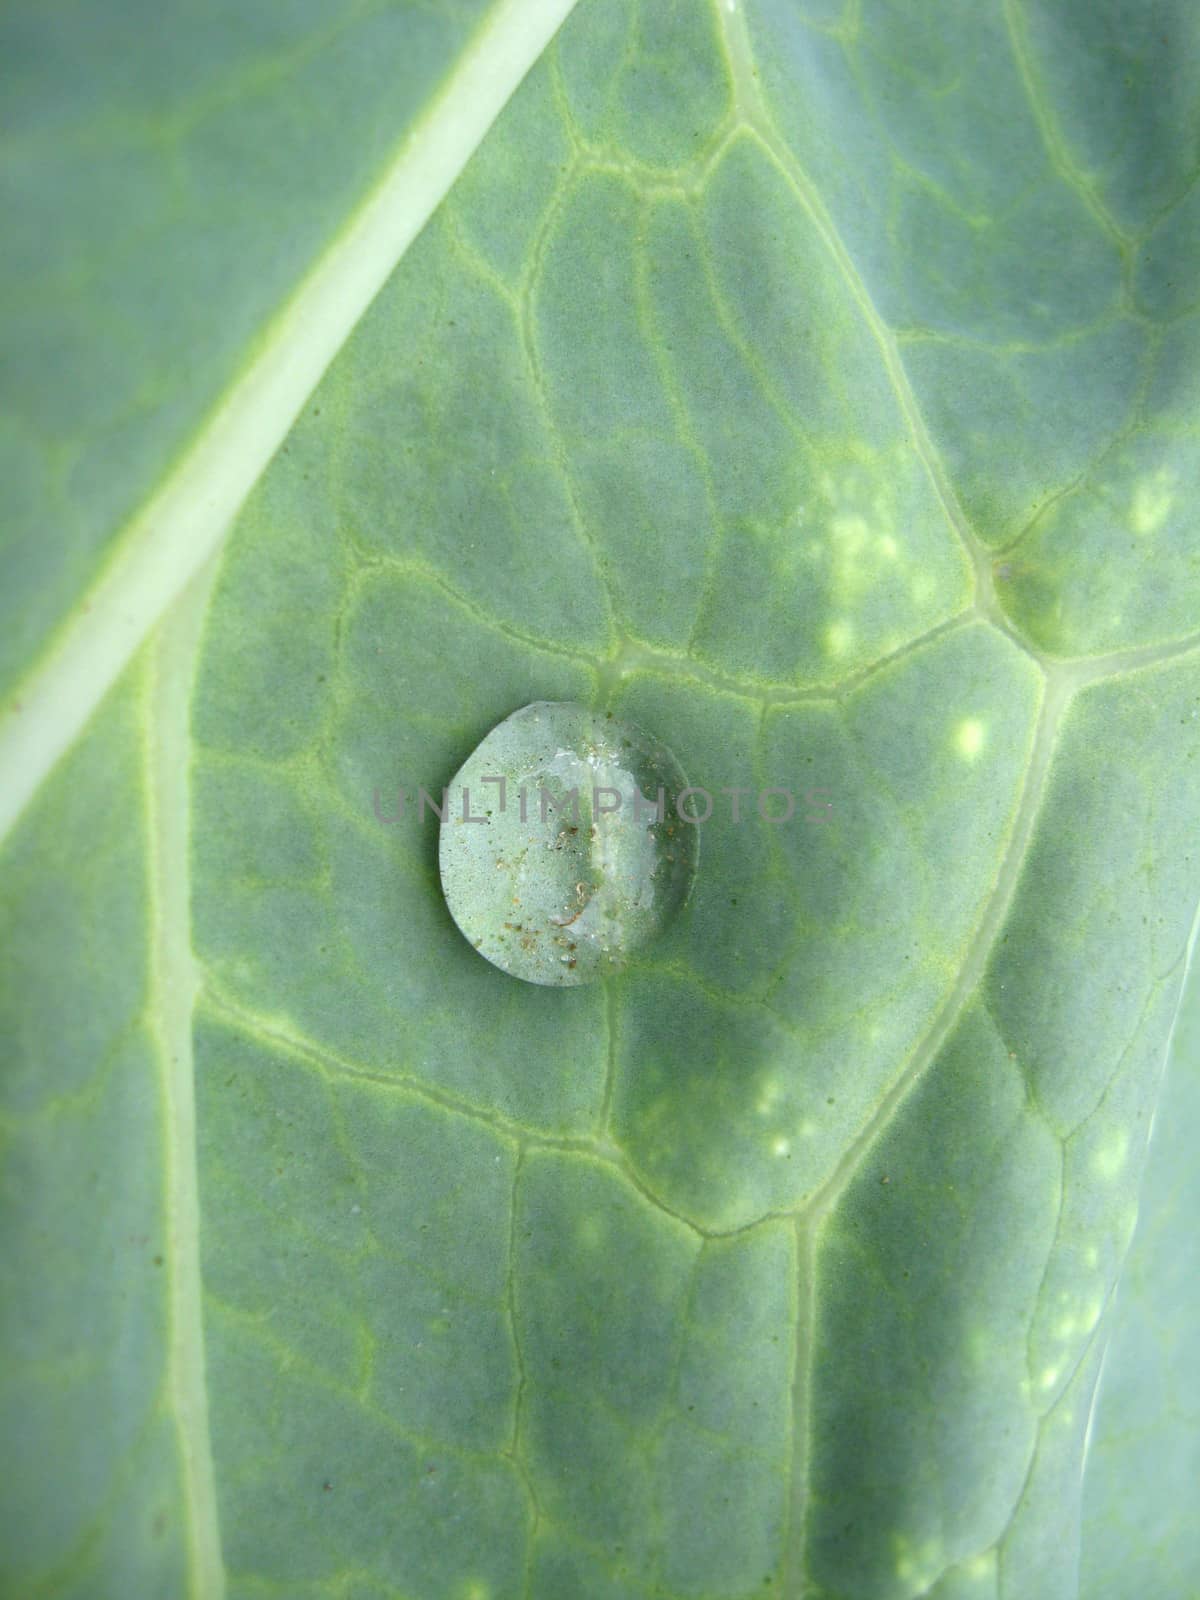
807 386
1145 1435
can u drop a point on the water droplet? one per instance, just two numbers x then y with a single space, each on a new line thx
554 889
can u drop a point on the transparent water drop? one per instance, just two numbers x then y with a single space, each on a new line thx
556 890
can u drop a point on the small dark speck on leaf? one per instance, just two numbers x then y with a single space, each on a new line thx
885 1179
327 1486
158 1261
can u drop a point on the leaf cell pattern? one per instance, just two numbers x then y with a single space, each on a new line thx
806 383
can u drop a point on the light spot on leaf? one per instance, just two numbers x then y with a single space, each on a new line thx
768 1097
839 636
919 1565
1153 497
969 737
1111 1156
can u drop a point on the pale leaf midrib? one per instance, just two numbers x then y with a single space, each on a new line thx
174 981
187 518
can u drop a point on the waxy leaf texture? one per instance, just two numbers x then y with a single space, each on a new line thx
812 382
